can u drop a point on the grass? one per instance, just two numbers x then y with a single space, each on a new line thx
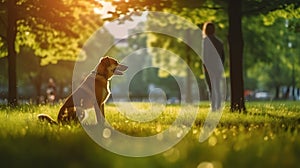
267 136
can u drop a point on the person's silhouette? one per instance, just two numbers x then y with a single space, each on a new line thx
213 60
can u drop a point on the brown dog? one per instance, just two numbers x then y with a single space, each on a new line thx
92 92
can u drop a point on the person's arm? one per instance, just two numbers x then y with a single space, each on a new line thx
223 55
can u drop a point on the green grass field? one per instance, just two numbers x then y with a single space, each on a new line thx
267 136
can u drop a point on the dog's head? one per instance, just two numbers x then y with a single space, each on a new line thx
109 66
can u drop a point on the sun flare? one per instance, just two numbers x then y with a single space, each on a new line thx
106 8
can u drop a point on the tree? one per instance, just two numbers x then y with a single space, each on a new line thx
11 37
172 44
236 45
290 16
269 59
31 73
236 10
57 17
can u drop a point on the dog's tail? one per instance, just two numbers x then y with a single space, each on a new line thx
46 117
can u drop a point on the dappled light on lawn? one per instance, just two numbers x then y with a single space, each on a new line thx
268 136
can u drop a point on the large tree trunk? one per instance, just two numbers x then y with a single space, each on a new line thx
236 55
11 36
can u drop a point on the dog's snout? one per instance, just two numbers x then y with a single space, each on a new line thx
121 67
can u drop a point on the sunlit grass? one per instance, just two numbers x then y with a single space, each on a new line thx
266 136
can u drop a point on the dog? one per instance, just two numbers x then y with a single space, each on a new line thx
92 92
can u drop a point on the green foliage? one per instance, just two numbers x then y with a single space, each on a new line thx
3 48
289 12
268 58
267 136
53 29
194 12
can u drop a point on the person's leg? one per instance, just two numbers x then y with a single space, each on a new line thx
216 93
208 84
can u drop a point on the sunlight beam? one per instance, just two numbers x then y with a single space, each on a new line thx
104 11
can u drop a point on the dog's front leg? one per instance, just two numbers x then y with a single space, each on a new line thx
102 110
99 114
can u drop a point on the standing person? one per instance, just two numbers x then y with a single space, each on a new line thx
213 60
51 91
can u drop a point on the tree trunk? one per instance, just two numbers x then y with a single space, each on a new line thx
11 36
235 38
277 90
38 86
287 93
188 95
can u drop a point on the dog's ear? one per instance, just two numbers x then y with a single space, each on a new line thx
105 61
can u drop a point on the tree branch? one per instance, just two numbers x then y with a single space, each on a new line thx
212 8
3 37
267 6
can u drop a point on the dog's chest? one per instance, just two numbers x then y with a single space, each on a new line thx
105 93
